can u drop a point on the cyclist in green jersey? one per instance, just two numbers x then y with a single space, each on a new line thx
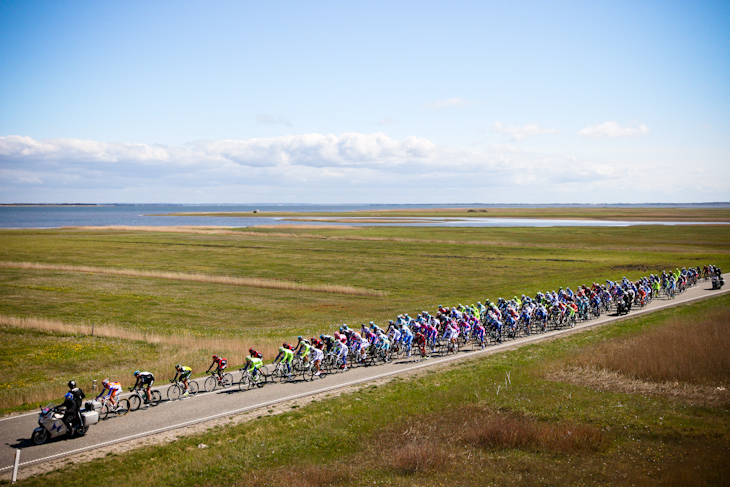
303 348
255 363
286 356
184 372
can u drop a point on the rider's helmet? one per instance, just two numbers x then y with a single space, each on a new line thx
105 382
321 337
250 350
299 337
178 366
68 396
71 384
136 373
215 357
281 349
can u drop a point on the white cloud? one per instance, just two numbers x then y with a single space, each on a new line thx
450 103
612 129
519 133
321 168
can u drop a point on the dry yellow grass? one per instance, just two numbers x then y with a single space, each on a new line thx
694 351
179 348
203 278
269 347
686 359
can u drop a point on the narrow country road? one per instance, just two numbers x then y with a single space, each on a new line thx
15 431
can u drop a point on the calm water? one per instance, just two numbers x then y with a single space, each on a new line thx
141 215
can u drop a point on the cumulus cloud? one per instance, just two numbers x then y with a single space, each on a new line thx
612 129
266 119
349 168
519 133
450 103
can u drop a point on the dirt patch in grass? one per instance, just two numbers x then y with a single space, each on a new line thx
428 442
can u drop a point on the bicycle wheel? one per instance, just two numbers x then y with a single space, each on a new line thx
193 387
134 402
123 407
104 412
210 384
280 375
308 374
227 381
156 397
244 383
174 392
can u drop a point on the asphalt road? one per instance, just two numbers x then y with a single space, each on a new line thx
15 431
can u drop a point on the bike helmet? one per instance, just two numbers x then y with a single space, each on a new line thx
71 384
299 337
215 357
321 337
281 349
250 350
105 382
178 366
68 396
136 373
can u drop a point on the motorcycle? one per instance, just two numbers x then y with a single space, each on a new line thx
717 282
51 425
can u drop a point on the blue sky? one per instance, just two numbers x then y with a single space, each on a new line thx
364 102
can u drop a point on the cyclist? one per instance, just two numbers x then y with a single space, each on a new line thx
303 348
329 341
407 337
144 379
254 361
341 352
115 388
286 356
255 353
383 342
184 374
317 356
220 363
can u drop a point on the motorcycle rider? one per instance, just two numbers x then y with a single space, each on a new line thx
70 412
78 397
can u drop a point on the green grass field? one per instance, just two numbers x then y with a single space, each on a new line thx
399 269
502 419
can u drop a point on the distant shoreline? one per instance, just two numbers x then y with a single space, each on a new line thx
718 204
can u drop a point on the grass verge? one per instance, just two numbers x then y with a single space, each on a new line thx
500 420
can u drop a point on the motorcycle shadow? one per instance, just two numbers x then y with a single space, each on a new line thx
22 443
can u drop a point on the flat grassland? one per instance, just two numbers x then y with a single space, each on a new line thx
156 297
516 418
